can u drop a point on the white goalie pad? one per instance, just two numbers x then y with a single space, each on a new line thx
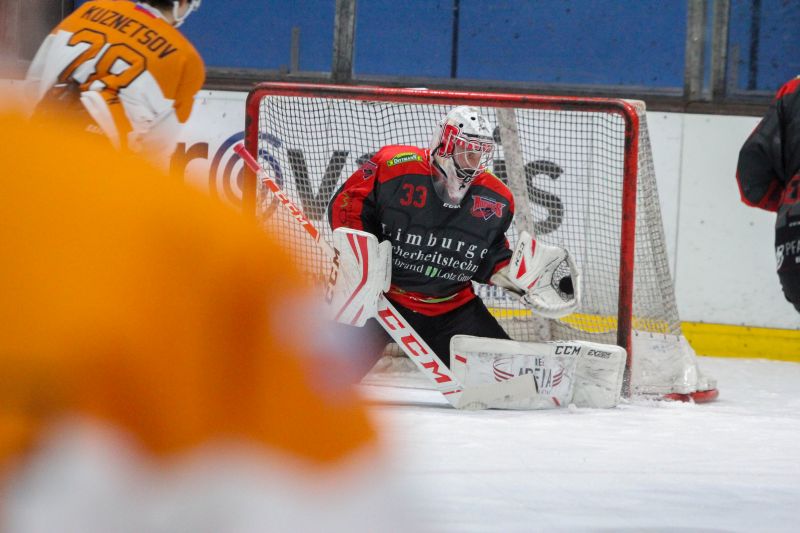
364 273
545 278
585 374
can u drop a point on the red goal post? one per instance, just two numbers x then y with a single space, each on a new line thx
588 185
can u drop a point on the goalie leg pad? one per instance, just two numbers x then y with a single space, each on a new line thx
582 373
363 274
478 361
599 375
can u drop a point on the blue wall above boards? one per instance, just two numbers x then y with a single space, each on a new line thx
258 33
415 40
589 42
603 42
547 41
763 44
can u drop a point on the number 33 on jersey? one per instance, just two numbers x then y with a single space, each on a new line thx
135 73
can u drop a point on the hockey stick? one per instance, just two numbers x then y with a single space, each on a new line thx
414 346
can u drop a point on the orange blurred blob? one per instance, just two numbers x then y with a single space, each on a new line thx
136 301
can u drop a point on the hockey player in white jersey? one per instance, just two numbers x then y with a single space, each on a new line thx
124 70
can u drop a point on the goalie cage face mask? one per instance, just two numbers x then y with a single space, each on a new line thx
461 148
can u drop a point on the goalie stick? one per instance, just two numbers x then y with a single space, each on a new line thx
507 392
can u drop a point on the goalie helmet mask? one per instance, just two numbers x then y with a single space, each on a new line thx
461 148
194 5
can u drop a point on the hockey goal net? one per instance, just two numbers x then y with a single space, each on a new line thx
582 174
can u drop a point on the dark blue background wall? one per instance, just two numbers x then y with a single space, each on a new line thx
563 41
768 32
257 33
595 42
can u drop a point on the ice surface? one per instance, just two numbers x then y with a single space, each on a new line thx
731 465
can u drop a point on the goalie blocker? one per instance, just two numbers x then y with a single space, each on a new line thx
361 273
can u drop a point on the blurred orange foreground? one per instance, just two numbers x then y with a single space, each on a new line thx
140 304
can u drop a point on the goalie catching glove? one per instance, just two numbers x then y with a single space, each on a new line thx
361 273
544 277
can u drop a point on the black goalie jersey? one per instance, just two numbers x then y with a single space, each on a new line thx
437 248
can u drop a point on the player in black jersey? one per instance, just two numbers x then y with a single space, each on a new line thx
768 174
445 216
